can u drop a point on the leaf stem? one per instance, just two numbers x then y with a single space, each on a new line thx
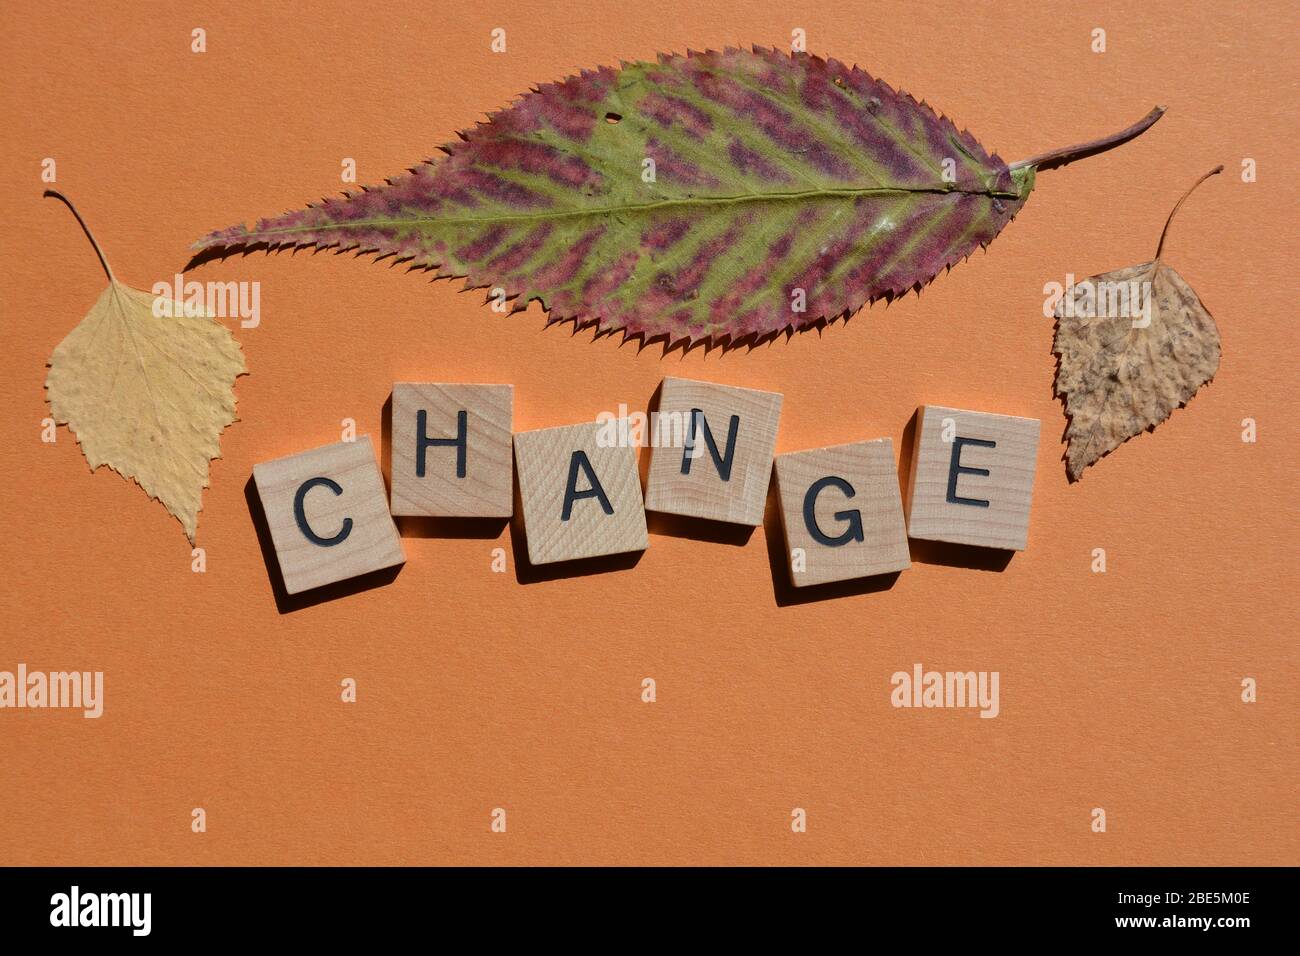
55 194
1059 157
1164 232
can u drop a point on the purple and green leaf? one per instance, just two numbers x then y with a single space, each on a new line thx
718 196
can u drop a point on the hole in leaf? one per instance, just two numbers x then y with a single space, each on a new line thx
613 118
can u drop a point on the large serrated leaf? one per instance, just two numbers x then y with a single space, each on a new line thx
718 196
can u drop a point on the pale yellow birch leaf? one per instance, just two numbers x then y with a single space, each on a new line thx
147 394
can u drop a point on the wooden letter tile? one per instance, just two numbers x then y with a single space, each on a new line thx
972 478
451 450
580 498
328 514
714 454
841 509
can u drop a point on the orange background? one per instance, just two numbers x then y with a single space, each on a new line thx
479 690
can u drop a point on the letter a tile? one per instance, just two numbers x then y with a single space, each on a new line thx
581 493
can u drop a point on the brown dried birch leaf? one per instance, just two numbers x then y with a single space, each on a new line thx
1133 345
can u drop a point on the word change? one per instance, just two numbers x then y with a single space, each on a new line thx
454 454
